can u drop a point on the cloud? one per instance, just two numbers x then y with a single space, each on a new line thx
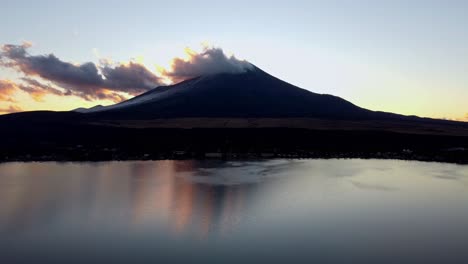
33 88
38 90
210 61
11 109
7 89
132 78
87 80
461 119
106 80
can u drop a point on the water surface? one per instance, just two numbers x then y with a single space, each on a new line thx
280 211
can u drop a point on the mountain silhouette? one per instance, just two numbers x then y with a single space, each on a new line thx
240 115
251 94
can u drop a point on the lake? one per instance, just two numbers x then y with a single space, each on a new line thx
276 211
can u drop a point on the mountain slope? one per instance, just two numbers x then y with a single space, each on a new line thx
252 94
239 115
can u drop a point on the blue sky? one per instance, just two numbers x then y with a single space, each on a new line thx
399 56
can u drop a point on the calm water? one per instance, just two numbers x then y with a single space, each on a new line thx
281 211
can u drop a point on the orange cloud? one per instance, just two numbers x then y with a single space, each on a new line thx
7 89
11 109
38 90
32 87
87 80
49 75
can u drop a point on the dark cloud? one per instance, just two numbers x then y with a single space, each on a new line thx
133 78
209 61
86 80
38 90
32 87
104 81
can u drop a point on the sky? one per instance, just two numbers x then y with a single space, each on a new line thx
407 57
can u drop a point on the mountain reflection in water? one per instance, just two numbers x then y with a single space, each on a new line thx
277 211
155 192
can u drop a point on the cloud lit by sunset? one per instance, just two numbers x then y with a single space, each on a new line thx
42 77
233 131
49 82
210 60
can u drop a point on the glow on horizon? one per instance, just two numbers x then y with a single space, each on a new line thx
396 56
49 101
351 75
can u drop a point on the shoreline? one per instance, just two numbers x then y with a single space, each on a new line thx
450 157
101 143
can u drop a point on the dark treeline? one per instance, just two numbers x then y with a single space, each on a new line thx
54 141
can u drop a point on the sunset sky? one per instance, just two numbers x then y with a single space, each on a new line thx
408 57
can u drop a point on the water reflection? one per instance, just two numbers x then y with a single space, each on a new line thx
317 209
159 192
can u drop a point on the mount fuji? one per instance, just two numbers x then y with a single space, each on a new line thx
250 94
244 114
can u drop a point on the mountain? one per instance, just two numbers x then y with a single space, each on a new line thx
242 115
252 94
88 110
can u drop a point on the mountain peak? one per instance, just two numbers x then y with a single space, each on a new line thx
247 94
